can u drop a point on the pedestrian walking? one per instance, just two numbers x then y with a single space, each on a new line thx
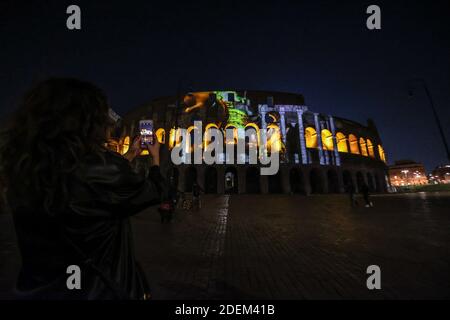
366 195
196 202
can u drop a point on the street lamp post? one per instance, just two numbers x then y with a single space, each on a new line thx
436 117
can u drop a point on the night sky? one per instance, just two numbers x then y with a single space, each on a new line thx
139 50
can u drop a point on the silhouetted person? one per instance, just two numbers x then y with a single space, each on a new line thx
196 189
71 197
173 191
366 195
167 208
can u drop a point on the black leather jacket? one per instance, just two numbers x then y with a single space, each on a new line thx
93 233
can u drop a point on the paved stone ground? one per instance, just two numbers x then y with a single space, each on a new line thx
288 247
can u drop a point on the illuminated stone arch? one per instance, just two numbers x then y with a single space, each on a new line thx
363 146
235 134
190 143
175 137
274 143
327 140
353 142
207 134
311 137
125 144
381 153
370 148
253 139
341 141
161 135
113 145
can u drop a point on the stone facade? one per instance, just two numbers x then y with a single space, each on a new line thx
320 153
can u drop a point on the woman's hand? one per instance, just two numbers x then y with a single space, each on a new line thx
153 149
134 150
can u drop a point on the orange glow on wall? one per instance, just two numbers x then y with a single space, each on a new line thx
254 126
353 141
370 148
125 144
235 135
190 139
311 137
274 144
161 135
381 153
362 145
341 141
327 140
207 134
175 137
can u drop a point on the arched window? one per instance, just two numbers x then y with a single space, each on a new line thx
311 137
327 140
175 137
353 141
274 143
363 146
381 153
190 142
125 144
341 141
370 148
207 136
161 135
235 135
253 139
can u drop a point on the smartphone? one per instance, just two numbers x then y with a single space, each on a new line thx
146 130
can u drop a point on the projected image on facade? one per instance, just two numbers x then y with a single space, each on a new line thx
319 153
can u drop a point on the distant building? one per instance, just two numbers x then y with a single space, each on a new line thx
407 173
440 174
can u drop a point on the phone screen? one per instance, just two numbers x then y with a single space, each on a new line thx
146 130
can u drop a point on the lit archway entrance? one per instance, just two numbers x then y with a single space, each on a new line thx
231 180
353 143
316 181
252 180
341 141
210 180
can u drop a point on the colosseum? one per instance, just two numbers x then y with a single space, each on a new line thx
319 153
